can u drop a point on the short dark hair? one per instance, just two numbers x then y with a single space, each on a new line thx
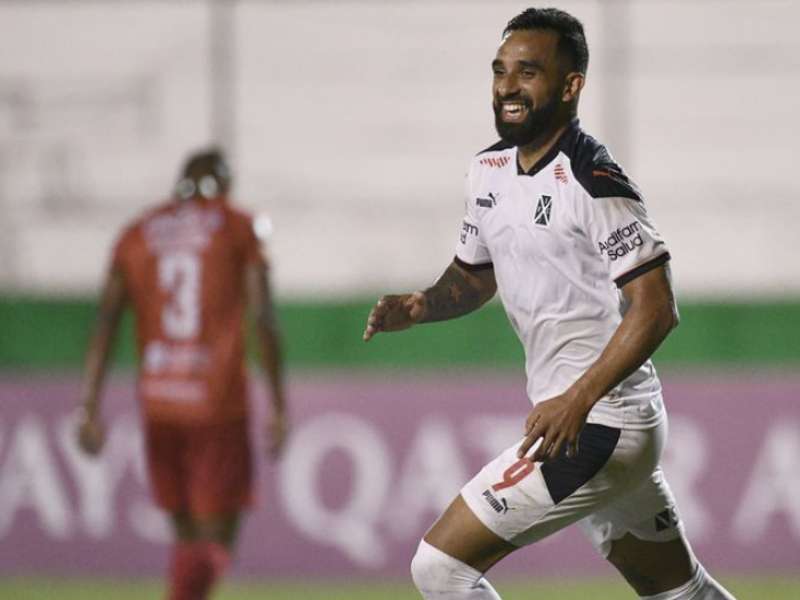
210 160
571 39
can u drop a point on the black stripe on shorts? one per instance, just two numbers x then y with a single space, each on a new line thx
564 475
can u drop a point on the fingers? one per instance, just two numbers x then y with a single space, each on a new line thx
535 431
572 448
550 448
393 313
542 452
533 417
552 441
552 445
375 319
526 445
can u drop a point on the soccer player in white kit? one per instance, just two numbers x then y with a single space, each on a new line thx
554 225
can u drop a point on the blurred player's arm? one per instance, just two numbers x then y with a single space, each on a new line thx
112 304
456 293
259 299
650 315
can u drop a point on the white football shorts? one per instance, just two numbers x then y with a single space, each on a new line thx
613 486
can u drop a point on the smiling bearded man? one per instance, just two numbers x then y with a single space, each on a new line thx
554 224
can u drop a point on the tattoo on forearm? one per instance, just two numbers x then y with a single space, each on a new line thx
451 296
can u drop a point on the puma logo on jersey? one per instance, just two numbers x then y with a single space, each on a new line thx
542 214
497 162
500 506
487 202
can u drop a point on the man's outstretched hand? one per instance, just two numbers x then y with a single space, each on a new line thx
394 313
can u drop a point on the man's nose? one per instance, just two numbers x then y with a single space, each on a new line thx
507 85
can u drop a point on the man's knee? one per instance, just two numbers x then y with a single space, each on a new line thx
222 530
183 526
434 571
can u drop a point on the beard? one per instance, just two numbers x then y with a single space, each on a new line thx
536 122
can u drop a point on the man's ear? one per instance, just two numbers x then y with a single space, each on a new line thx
572 86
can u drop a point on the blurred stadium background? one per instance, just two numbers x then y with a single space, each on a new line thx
350 125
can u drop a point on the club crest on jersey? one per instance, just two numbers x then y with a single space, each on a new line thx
543 207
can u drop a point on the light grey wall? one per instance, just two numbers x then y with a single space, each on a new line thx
352 124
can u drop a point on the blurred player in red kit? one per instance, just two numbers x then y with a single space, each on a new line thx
190 268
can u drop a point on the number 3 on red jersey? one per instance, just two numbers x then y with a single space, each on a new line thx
179 276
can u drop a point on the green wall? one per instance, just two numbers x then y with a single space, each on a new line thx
52 334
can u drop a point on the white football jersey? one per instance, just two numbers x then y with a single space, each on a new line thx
563 239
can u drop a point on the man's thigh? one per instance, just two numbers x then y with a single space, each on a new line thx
523 502
220 471
460 534
647 512
166 451
642 535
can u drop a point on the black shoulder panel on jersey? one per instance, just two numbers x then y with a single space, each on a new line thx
501 145
595 168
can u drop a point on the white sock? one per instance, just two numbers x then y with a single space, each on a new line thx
700 587
440 576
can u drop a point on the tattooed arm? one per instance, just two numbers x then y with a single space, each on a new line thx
456 293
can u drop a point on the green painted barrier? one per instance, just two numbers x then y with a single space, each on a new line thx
42 334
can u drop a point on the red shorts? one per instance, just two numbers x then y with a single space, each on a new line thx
203 470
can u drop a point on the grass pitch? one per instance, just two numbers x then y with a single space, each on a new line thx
749 588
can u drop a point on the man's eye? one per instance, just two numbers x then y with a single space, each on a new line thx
529 73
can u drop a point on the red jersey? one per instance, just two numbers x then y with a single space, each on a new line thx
184 266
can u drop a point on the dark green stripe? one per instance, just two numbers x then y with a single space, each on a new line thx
44 334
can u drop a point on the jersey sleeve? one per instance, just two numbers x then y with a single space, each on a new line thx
624 236
471 250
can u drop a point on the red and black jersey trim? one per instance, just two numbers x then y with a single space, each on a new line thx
595 168
651 264
591 164
563 476
470 267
